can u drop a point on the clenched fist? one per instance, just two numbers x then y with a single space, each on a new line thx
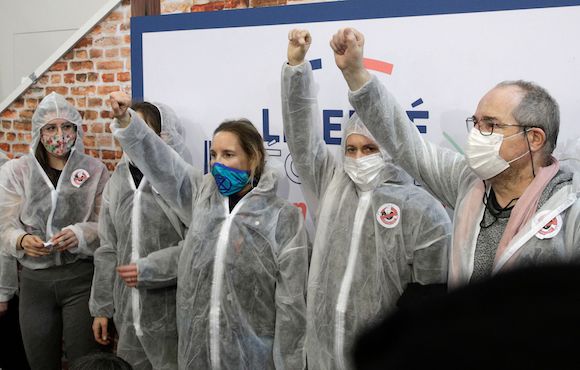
298 44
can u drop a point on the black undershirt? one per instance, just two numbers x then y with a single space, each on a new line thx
233 200
53 175
136 174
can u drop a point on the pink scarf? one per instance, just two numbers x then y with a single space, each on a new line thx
527 205
466 219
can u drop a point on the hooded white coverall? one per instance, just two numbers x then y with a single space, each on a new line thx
137 226
54 289
369 244
241 281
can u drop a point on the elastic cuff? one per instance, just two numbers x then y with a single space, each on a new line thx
135 132
141 264
16 242
82 246
363 89
297 66
5 297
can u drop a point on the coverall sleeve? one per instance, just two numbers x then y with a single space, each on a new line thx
573 226
11 200
289 351
441 170
8 277
302 124
159 269
431 239
87 232
175 180
105 260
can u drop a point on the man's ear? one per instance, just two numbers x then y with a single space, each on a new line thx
537 138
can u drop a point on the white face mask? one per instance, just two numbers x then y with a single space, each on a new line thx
365 171
482 153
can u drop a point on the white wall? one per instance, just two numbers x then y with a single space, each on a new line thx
31 30
442 66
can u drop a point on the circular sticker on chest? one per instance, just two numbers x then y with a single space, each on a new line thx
79 177
551 228
389 215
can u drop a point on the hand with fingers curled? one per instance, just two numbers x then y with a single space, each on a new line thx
64 240
348 47
298 44
101 330
33 246
130 274
120 103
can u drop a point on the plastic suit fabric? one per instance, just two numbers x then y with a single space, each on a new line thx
568 153
8 277
8 267
29 203
3 158
242 274
369 245
448 176
137 226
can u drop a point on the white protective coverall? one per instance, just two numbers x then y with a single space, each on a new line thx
29 203
241 282
137 226
447 174
8 274
568 153
369 244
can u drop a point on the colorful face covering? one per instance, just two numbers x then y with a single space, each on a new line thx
58 144
229 180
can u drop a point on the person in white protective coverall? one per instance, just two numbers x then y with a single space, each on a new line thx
376 232
13 355
514 205
140 234
49 206
568 153
8 285
241 281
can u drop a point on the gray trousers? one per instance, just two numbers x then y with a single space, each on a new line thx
54 305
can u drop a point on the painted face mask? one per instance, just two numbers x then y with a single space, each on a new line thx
482 153
229 180
365 171
57 143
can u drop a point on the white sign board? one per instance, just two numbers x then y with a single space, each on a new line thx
441 66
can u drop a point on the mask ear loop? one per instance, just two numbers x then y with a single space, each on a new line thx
530 151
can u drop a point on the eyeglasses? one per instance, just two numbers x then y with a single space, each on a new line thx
486 125
52 128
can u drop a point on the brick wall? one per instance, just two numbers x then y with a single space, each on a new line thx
97 65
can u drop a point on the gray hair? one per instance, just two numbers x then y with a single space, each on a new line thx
538 109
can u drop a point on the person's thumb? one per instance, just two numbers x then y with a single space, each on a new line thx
104 331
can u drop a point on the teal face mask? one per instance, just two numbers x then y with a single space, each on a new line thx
229 180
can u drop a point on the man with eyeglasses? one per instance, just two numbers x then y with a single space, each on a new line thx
513 204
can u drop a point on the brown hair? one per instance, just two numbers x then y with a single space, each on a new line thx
42 158
251 142
151 115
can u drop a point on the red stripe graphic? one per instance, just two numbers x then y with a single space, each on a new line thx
378 65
